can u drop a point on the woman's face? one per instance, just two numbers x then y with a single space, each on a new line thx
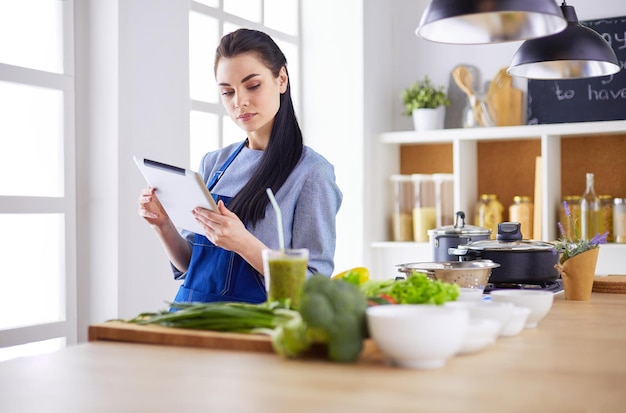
250 93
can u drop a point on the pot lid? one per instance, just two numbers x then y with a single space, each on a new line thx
499 245
459 228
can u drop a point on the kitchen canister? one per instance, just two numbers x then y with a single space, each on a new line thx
402 213
522 211
424 208
606 216
444 199
619 220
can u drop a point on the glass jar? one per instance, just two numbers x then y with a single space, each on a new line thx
570 226
444 199
522 211
606 216
619 219
424 209
489 213
402 210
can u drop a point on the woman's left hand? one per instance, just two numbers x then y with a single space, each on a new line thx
224 229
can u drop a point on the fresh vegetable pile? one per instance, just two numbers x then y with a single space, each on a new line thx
416 289
331 312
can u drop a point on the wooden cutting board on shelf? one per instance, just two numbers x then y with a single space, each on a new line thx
505 101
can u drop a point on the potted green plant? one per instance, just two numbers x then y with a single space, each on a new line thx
426 103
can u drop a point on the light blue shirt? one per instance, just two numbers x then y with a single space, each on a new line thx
309 201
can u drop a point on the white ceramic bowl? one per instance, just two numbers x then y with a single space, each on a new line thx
417 335
500 312
516 323
470 294
480 333
539 302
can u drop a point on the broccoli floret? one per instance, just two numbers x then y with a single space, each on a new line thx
291 338
334 312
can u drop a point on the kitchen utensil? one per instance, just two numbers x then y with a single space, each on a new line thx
458 99
450 236
466 274
464 79
504 101
521 261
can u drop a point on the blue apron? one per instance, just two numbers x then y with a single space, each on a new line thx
216 274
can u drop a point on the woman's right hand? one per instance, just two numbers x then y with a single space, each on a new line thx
150 208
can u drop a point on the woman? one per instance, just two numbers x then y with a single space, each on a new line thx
224 263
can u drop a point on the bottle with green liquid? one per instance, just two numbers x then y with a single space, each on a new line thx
590 211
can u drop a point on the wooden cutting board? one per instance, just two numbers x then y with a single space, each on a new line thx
505 101
154 334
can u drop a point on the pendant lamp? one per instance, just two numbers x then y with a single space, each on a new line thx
489 21
576 52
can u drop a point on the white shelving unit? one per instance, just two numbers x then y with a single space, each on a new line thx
385 255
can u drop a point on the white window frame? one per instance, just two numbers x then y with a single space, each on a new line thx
222 17
65 205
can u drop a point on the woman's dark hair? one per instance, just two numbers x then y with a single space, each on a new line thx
285 145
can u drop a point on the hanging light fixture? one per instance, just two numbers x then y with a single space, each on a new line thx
489 21
576 52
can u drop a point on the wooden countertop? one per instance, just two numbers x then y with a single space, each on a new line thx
575 361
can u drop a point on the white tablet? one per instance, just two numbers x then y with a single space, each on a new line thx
179 190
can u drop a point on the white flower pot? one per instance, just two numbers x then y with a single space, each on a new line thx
429 119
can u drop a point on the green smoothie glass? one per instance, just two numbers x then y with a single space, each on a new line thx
285 273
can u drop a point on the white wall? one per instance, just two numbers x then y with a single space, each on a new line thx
132 98
332 116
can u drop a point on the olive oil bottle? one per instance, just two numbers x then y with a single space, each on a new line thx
590 211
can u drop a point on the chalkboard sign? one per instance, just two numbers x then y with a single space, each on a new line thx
584 100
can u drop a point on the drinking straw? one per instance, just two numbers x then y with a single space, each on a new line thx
279 218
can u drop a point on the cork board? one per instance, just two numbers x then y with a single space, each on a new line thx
507 168
605 156
426 159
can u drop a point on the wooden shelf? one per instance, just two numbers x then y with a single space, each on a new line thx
505 132
501 160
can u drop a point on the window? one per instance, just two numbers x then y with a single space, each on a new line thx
37 199
209 20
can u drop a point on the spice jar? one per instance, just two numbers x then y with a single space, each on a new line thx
424 210
522 211
606 216
489 213
402 214
571 226
619 219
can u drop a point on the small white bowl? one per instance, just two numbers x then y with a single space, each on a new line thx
516 323
416 335
470 294
539 302
481 333
500 312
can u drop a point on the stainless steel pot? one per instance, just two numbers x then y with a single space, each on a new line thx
521 261
451 236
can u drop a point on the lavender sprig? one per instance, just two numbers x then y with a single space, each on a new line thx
569 248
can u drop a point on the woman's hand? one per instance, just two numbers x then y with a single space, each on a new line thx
150 208
227 231
224 229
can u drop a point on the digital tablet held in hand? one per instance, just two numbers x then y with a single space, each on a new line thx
179 190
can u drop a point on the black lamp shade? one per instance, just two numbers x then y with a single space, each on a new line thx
489 21
576 52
